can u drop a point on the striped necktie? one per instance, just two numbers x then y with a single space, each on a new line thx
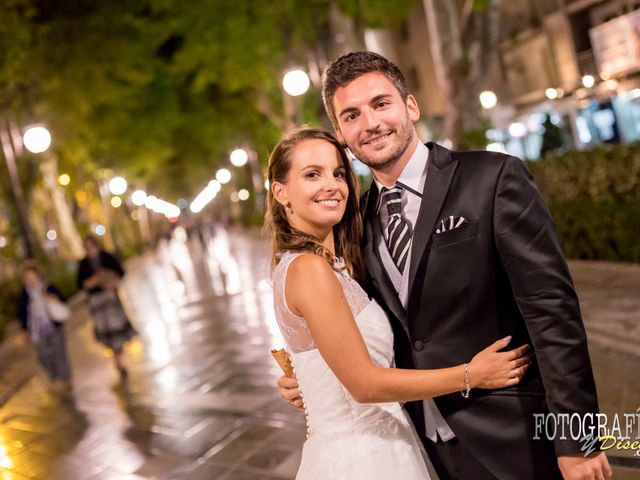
399 229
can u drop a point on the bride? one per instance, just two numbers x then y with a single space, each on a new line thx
340 341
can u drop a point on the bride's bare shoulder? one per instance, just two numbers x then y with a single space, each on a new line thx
309 267
309 278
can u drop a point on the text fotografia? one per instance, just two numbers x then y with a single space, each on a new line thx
618 432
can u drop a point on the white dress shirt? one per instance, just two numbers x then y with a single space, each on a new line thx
411 181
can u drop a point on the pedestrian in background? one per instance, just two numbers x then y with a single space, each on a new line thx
41 330
99 274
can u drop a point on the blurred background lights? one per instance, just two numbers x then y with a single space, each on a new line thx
205 196
243 194
496 147
488 99
117 185
588 81
52 235
517 130
116 202
239 157
296 82
37 139
150 202
139 197
215 185
223 176
100 230
64 179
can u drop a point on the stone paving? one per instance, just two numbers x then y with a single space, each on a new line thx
200 402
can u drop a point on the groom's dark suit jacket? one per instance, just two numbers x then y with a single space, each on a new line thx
502 273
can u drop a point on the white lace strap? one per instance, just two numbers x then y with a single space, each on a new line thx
294 328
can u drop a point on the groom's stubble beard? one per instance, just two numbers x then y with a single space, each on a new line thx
404 137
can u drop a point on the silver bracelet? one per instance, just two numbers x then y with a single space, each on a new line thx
467 381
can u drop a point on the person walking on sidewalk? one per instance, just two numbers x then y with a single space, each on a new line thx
41 330
99 274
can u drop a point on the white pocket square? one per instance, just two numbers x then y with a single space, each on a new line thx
450 223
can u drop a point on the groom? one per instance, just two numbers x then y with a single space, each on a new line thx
461 251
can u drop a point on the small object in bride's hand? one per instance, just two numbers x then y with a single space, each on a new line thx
282 357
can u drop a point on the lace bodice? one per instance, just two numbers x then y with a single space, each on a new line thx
294 328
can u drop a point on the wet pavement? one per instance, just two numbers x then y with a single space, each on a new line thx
200 402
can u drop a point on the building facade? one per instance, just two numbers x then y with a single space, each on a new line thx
575 61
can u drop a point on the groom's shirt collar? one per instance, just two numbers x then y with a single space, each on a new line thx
413 175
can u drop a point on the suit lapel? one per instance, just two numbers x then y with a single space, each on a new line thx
375 266
440 170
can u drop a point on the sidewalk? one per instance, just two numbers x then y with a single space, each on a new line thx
201 402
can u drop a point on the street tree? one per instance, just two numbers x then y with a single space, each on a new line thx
464 44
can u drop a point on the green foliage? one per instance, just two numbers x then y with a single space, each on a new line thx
598 231
63 276
481 5
607 174
475 139
158 90
378 13
594 197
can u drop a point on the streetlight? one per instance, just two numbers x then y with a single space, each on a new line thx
518 131
296 82
138 197
117 185
37 139
64 179
488 99
588 81
223 176
239 157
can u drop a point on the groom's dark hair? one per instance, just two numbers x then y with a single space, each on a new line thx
350 66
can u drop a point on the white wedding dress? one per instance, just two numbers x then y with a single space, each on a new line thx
347 439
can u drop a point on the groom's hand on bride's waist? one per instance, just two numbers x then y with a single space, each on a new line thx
290 392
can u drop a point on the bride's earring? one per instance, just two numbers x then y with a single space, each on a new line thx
288 208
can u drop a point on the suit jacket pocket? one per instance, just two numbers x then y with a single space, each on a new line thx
467 230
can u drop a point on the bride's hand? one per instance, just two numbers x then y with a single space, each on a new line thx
492 368
290 392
